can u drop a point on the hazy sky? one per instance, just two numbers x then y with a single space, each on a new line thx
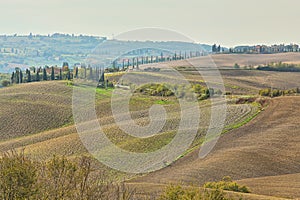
228 22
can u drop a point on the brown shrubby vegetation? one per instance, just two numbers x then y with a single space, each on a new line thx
177 192
210 191
227 184
58 178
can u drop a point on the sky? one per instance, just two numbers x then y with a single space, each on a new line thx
225 22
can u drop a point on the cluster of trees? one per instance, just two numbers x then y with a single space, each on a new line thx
281 67
58 178
181 91
216 49
34 74
276 92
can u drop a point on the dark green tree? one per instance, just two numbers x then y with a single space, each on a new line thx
219 48
60 74
76 72
38 75
44 74
17 77
13 78
52 74
28 75
69 75
21 77
102 78
214 48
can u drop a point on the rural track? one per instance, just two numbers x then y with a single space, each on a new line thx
267 146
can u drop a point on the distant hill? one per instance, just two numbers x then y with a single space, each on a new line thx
41 50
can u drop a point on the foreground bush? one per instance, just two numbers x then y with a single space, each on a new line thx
18 177
57 179
227 184
176 192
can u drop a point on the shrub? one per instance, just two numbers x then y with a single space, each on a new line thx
5 83
177 192
18 177
276 92
236 66
181 91
227 184
155 90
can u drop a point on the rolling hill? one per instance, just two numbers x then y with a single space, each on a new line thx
263 154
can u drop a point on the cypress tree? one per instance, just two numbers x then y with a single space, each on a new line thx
28 75
133 59
102 78
44 75
52 74
21 77
38 75
17 77
76 72
12 78
60 74
69 75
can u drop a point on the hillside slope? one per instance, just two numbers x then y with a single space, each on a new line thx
267 146
34 107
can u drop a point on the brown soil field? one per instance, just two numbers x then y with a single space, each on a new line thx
34 107
251 81
267 146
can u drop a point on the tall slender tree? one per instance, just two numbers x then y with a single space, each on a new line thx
12 78
60 74
52 74
44 74
76 72
37 75
21 77
28 75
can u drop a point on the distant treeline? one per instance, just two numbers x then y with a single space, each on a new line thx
280 67
35 74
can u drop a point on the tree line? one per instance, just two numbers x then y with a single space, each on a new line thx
35 74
